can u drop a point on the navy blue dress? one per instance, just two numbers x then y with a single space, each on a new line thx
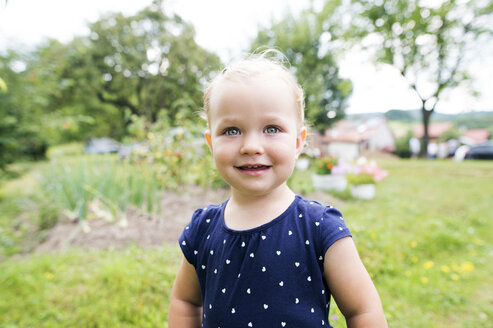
269 276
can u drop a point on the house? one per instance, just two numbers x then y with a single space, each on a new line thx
348 138
477 135
435 130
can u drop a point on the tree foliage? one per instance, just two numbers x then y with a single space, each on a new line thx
19 128
426 41
308 42
147 65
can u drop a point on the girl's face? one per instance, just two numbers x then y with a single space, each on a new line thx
254 136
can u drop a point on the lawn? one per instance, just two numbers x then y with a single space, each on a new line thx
425 239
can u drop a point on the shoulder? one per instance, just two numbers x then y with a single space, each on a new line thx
324 222
203 221
313 210
202 217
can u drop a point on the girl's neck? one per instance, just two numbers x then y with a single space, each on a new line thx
245 212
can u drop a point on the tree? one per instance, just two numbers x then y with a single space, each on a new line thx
427 41
308 42
19 124
149 63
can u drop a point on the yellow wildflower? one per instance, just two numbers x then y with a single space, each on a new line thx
424 280
414 259
467 266
150 136
407 273
49 275
373 235
414 244
478 241
428 265
445 268
455 277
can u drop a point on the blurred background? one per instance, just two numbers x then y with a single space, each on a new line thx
102 159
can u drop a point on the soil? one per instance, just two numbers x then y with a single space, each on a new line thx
141 228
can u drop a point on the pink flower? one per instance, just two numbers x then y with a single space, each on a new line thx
371 168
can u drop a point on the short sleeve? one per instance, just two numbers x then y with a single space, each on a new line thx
332 228
188 235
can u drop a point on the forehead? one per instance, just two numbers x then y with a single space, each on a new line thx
265 94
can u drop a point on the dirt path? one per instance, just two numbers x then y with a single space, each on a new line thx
142 229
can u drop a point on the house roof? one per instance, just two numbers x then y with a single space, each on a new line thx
434 129
478 135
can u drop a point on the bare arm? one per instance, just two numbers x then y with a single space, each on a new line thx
185 310
351 286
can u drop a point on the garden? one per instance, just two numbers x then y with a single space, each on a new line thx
90 240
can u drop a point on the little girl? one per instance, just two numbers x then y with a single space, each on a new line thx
266 257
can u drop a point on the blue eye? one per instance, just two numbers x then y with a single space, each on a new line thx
231 132
272 130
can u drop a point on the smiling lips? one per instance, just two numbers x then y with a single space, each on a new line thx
253 170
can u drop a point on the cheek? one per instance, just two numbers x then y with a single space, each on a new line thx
285 150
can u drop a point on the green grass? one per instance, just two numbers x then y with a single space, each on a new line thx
128 288
425 239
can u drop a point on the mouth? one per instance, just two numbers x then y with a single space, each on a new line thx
256 167
253 170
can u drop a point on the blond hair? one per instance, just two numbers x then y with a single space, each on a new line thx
255 66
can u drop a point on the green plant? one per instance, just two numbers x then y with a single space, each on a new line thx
359 179
324 165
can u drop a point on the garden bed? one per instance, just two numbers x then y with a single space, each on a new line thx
143 229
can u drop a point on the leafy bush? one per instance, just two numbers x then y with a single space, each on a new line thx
402 148
324 165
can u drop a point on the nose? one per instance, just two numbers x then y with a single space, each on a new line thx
252 145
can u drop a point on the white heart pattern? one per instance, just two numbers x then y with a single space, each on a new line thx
266 306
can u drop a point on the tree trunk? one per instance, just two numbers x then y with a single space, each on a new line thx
425 114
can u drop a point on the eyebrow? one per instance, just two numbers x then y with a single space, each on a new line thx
270 119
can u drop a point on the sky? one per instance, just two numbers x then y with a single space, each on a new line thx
226 28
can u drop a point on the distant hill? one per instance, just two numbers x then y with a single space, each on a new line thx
470 120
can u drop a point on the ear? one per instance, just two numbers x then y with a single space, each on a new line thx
207 135
300 141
